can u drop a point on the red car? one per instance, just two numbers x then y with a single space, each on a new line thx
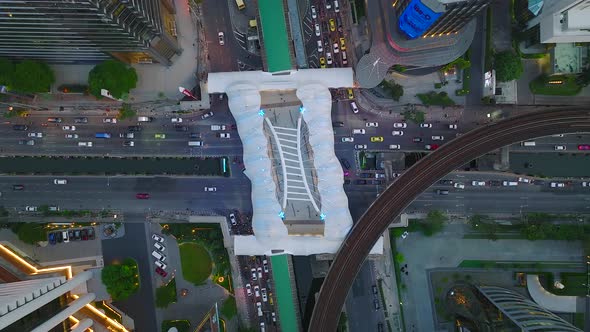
161 272
142 196
583 147
431 146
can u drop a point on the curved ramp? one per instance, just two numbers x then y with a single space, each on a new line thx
549 300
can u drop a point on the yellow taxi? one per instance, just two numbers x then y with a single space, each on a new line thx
350 94
322 62
160 136
376 139
342 44
332 25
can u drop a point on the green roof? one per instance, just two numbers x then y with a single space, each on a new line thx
284 293
274 32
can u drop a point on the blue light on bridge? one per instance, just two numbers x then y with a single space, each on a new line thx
301 109
282 215
224 165
261 112
322 216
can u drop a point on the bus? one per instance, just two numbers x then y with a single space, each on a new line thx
240 4
102 135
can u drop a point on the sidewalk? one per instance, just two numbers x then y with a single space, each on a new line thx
384 271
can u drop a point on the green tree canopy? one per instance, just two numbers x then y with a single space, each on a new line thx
394 90
32 76
29 232
114 76
434 222
121 280
6 72
508 66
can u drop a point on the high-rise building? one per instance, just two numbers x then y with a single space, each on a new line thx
565 21
79 31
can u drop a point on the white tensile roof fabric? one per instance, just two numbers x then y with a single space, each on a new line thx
244 102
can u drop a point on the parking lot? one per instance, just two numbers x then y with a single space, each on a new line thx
256 273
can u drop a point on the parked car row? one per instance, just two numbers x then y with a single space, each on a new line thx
65 236
159 256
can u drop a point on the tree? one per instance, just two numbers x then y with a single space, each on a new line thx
30 232
6 72
394 90
508 66
399 258
32 76
114 76
121 280
434 222
126 112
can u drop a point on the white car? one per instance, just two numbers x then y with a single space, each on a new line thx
70 128
60 181
31 208
71 136
314 12
221 38
259 308
524 180
38 135
328 4
320 47
372 124
248 289
256 291
476 183
207 115
109 120
438 138
347 139
317 30
452 126
394 147
157 238
161 265
585 184
210 189
329 58
459 185
358 131
265 266
354 108
400 125
253 271
259 272
264 297
560 147
360 146
336 48
426 125
397 133
557 185
232 218
405 234
159 246
176 120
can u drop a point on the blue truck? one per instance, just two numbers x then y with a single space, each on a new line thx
102 135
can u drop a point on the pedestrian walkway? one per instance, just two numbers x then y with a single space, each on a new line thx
282 274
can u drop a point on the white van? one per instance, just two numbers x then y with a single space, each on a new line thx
528 143
354 108
195 143
336 7
144 119
159 256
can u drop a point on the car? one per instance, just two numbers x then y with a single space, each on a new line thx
59 237
20 127
405 234
477 183
397 133
71 136
361 182
60 181
560 147
232 219
194 135
81 120
264 296
142 196
345 163
417 139
127 135
160 136
524 180
265 265
360 146
320 46
332 24
77 235
253 272
210 189
206 115
259 272
350 93
318 32
221 38
394 147
134 128
337 124
129 143
52 238
314 12
26 142
376 182
400 125
585 184
438 138
366 175
18 187
249 289
344 58
509 183
336 48
441 191
161 265
459 185
328 4
431 146
161 272
376 304
557 185
452 126
259 308
329 58
358 131
354 108
372 124
31 209
426 125
70 128
84 234
157 238
342 43
375 139
180 128
322 62
159 246
583 147
176 120
109 120
224 135
37 135
53 208
274 317
446 182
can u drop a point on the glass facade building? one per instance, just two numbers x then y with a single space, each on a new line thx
89 31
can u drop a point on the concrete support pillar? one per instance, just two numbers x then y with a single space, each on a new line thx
64 314
82 325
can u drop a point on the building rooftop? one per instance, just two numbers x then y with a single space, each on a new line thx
274 32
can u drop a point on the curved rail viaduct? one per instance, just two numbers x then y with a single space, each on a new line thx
420 177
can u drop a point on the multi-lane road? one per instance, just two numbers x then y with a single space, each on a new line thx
417 179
